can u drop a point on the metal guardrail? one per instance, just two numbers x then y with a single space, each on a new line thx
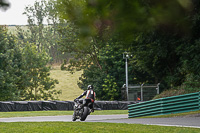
168 105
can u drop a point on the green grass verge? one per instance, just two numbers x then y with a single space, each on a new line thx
186 114
54 113
33 113
83 127
97 112
77 127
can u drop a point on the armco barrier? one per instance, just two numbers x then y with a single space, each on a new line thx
169 105
6 106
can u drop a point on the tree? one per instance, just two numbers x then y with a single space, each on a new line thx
91 59
163 35
23 71
38 84
100 57
155 53
125 17
46 36
10 58
102 64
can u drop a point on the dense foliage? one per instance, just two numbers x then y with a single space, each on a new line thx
36 75
102 63
24 74
163 37
10 59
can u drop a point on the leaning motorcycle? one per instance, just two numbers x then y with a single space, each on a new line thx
81 111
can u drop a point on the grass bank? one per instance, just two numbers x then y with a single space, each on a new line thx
83 127
67 83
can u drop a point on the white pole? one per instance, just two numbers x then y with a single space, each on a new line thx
142 92
158 91
127 77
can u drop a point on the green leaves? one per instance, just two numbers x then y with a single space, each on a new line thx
106 70
45 36
38 84
24 74
93 17
110 88
9 67
163 37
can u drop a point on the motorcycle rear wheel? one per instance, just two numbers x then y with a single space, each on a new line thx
85 113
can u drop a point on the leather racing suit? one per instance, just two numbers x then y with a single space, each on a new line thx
89 98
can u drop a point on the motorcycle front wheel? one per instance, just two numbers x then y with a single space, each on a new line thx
74 116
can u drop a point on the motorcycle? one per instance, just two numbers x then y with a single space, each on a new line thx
81 111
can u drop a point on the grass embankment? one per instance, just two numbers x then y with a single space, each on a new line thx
67 83
176 92
83 127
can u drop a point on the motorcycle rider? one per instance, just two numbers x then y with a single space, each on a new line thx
89 97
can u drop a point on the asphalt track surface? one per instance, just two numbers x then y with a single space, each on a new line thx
193 122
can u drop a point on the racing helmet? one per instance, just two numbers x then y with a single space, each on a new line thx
90 87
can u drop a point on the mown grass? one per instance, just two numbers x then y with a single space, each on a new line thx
186 114
83 127
34 113
97 112
55 113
